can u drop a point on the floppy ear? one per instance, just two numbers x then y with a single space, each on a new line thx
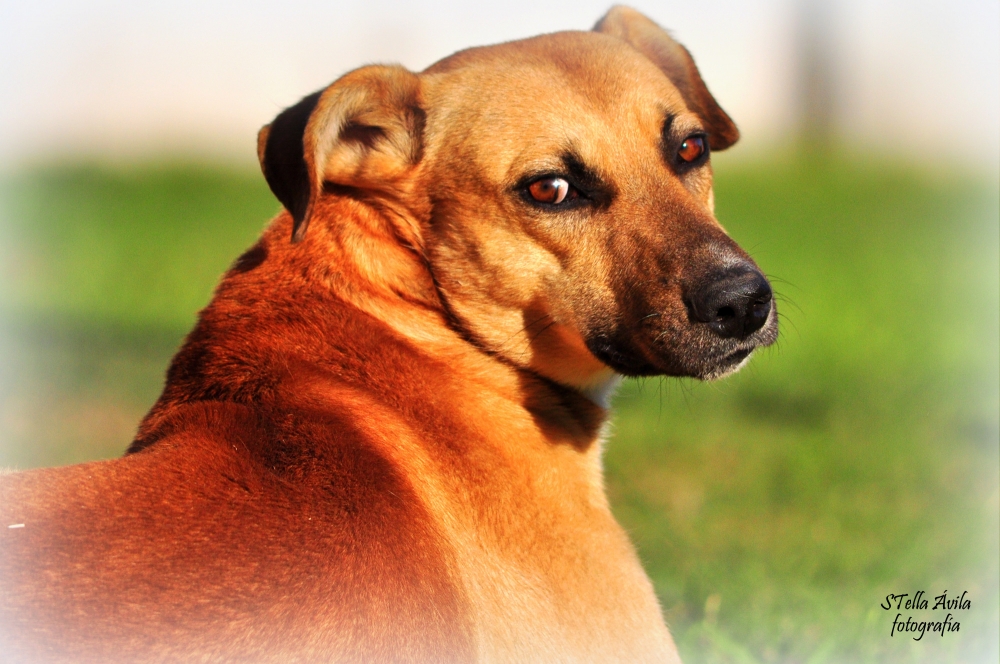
364 131
674 60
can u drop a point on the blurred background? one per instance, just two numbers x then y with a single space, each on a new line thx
774 510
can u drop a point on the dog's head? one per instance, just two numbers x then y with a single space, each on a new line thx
560 191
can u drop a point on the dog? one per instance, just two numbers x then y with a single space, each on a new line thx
382 440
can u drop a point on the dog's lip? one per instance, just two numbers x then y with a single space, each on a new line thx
724 363
640 363
608 352
738 355
729 364
697 356
733 360
745 348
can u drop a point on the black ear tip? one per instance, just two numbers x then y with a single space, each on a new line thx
281 150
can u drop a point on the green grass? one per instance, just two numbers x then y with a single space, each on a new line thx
774 510
130 248
102 272
859 457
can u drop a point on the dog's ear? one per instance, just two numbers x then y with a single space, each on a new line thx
364 132
674 60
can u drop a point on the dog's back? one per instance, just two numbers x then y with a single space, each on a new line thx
195 550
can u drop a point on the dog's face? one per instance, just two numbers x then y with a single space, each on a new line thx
562 193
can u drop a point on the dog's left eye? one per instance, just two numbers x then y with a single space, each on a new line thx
552 190
691 149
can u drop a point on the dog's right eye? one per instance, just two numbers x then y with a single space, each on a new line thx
692 149
552 190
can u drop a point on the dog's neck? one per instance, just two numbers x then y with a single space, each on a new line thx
352 275
383 243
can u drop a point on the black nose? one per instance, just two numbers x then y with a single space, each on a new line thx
735 303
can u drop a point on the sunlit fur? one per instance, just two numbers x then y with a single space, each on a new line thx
382 440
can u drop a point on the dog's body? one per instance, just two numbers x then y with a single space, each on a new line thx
382 442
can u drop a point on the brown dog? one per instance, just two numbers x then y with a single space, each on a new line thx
382 440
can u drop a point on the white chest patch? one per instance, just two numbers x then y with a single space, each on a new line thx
602 392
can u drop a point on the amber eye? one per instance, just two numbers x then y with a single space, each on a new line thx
550 190
691 149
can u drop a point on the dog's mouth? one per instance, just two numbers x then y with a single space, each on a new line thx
737 357
691 349
620 357
730 364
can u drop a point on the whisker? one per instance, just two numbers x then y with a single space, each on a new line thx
784 299
659 398
523 329
771 277
536 334
786 320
